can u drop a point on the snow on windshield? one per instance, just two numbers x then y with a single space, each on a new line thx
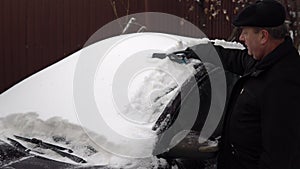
149 96
60 132
156 89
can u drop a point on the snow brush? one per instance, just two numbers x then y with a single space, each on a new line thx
178 56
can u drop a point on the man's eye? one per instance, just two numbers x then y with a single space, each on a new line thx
244 33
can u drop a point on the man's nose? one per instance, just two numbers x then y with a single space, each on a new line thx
242 38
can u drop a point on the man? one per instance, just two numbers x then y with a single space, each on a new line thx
262 122
261 128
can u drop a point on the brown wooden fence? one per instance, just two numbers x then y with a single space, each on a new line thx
37 33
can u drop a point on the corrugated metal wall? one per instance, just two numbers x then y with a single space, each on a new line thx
37 33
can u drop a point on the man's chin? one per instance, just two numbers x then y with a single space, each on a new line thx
255 57
249 53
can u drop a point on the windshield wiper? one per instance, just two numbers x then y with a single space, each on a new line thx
19 146
58 149
43 144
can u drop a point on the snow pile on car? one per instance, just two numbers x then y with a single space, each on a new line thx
60 132
150 96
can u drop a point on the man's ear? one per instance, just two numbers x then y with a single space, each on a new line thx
264 36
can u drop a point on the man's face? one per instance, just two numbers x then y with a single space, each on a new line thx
252 39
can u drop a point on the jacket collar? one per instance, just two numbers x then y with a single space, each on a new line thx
273 57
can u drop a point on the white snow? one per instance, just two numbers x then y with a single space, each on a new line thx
157 89
228 45
155 84
42 106
70 136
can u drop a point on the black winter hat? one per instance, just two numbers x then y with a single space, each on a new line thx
263 13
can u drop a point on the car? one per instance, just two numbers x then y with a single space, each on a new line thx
42 126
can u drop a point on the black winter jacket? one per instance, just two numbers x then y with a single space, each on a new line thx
262 121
